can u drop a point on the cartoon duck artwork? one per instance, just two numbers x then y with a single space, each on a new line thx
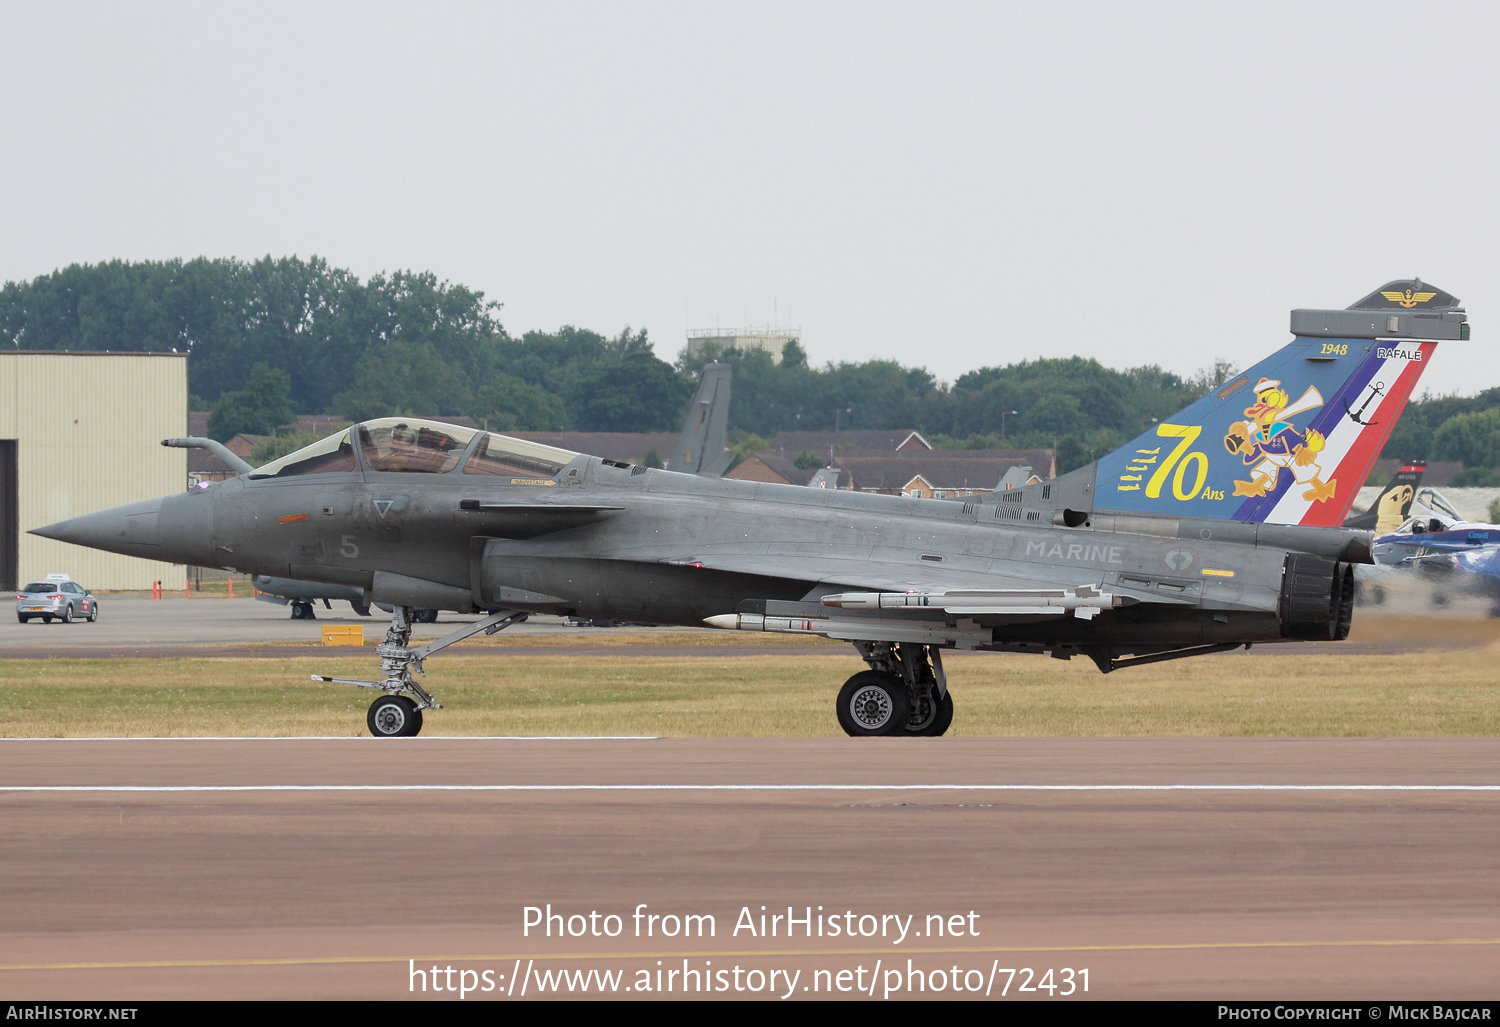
1269 442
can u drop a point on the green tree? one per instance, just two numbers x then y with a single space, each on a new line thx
624 387
1411 439
278 446
263 405
808 461
1476 477
313 321
506 403
1473 438
401 378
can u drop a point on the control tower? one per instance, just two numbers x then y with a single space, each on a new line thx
766 338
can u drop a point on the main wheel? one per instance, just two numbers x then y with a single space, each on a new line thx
424 616
930 716
872 703
67 614
394 716
23 618
93 611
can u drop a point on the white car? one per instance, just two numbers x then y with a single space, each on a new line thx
59 597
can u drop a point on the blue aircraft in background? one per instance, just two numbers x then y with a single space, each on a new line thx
1439 544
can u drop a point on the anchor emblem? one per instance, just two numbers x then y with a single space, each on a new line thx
1377 389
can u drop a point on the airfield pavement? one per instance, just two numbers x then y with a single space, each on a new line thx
1211 868
1196 868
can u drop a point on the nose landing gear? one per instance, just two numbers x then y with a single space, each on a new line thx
398 713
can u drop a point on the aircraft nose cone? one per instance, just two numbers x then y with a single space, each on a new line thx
176 529
135 524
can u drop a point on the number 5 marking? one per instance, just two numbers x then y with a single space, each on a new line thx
347 548
1188 434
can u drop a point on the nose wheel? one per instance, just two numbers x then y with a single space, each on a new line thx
394 716
398 713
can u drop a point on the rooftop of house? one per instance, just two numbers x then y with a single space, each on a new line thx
773 468
793 443
624 446
942 470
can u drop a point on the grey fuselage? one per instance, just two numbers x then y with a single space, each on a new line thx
623 542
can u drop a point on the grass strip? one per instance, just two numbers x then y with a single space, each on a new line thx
1425 694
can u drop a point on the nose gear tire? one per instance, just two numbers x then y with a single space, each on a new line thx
394 716
872 704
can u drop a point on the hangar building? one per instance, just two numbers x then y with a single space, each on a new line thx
81 432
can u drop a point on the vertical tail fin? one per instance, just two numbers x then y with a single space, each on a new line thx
701 450
1393 504
1291 439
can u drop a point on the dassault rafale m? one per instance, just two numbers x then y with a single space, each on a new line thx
1219 527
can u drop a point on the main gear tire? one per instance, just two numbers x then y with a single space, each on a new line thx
930 716
67 614
394 716
872 704
93 611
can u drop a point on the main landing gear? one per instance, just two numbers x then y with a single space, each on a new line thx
905 692
398 713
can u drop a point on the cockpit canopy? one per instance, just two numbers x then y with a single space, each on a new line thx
412 445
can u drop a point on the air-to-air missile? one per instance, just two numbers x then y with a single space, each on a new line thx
1218 527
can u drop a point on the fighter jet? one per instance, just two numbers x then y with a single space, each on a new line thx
700 450
1217 528
1437 543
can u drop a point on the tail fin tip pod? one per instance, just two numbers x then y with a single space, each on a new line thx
1291 439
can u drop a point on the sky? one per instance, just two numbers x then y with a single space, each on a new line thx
949 185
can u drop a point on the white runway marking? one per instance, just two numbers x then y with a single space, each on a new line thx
762 788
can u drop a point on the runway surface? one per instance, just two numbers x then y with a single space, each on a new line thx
1289 868
135 622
